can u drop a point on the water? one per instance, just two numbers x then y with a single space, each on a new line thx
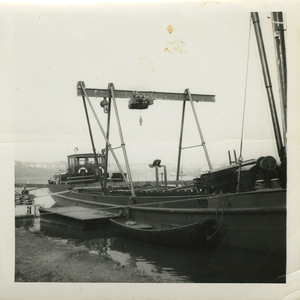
217 264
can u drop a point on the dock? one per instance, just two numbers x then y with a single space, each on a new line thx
77 217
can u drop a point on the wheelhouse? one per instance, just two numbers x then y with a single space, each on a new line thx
83 168
85 164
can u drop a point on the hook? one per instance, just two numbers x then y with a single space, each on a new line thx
141 120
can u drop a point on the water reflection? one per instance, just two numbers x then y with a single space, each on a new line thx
57 230
209 265
26 223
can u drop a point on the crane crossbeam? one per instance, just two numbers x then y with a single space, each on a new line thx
91 92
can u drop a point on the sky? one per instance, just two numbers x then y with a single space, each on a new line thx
134 48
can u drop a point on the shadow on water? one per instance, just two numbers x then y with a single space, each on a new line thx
216 264
79 235
209 265
26 223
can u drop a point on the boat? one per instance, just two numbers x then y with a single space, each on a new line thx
83 169
253 220
247 198
167 235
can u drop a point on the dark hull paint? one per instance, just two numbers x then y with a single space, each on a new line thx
192 235
64 197
252 220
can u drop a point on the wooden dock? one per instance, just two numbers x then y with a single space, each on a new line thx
77 217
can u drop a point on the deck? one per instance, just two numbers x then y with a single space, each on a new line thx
77 217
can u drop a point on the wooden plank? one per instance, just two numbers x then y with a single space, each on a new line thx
77 217
79 213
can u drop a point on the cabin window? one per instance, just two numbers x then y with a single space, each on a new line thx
91 160
81 160
71 161
100 160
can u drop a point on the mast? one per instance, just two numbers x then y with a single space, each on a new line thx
268 84
279 43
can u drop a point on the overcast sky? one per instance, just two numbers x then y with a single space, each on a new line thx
131 46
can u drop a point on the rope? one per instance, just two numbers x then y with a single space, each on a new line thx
221 220
175 201
244 109
245 93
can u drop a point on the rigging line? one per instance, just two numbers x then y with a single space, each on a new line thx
222 213
245 95
244 109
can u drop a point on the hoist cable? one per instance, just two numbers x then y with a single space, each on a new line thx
244 109
245 95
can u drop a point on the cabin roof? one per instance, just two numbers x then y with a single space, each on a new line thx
86 155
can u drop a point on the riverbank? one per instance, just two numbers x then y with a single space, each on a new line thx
39 258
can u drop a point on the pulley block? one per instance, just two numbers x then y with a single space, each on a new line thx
139 101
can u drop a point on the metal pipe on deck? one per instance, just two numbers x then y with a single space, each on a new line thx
156 177
165 177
